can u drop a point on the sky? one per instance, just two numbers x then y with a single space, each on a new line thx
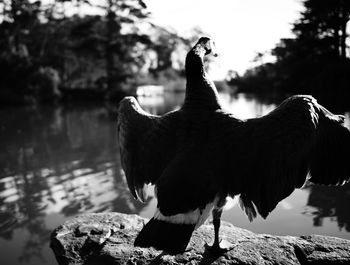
240 28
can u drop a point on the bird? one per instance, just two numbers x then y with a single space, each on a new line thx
200 154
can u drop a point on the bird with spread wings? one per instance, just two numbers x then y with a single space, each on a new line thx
200 154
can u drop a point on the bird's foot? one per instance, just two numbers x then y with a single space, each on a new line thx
218 249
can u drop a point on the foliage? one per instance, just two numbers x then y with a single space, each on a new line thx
314 61
105 52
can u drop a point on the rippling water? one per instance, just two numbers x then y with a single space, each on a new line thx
57 162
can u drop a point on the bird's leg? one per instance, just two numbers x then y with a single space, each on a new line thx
217 248
216 222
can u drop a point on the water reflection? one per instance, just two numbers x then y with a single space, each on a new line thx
161 104
331 202
58 162
246 106
61 161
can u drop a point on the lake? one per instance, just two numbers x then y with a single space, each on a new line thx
57 162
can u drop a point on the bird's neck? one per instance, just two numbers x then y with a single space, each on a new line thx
200 90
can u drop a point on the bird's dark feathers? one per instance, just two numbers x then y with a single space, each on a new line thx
172 238
247 206
207 44
199 151
272 155
193 155
199 154
146 144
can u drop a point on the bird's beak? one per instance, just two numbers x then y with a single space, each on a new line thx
213 49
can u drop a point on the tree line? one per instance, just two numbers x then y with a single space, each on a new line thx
50 49
315 60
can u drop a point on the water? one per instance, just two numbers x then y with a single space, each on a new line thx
57 162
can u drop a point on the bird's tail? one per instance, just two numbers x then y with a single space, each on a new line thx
169 237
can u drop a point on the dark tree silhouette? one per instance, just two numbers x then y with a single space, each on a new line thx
121 12
86 56
327 20
315 60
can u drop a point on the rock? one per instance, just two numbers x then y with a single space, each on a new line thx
107 238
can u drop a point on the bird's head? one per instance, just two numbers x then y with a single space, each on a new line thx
128 104
208 45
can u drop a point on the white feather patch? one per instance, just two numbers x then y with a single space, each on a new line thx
143 193
196 217
230 202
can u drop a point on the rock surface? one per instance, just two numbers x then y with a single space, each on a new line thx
107 238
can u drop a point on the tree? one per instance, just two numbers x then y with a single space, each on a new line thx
103 52
326 22
118 45
18 20
114 37
316 59
329 19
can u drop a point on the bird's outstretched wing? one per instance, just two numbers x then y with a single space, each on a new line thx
269 157
146 145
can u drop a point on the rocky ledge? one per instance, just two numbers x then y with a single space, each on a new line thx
107 238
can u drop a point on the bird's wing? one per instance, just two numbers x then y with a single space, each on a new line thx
268 157
146 145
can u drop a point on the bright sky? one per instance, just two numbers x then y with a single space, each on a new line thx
240 28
